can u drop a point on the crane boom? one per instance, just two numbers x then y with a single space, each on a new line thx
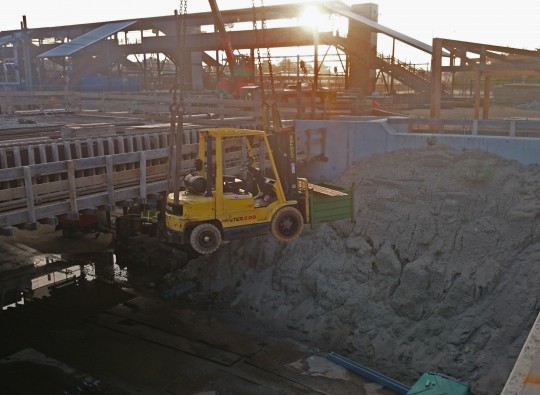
220 27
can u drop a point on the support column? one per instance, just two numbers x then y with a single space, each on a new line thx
436 75
362 42
27 59
477 96
487 89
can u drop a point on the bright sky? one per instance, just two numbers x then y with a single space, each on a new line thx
507 23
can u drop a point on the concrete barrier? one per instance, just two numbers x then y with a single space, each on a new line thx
349 139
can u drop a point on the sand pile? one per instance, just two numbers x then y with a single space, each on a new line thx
440 272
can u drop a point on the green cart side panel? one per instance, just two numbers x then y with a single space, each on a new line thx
324 208
438 384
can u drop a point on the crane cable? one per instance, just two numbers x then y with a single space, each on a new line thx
270 110
176 108
259 61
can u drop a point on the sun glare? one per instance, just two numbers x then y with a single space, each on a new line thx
313 18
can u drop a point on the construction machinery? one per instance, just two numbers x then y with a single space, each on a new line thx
240 66
213 206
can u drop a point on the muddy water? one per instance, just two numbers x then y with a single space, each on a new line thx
43 324
52 271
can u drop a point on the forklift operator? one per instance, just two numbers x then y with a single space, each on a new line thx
265 185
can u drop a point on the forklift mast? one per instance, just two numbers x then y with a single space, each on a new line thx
283 145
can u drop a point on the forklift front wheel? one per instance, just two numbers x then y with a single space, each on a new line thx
287 224
205 238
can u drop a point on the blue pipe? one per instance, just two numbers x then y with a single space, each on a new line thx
369 374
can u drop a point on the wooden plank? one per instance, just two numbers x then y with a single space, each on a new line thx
155 171
17 156
154 138
79 164
142 176
31 157
3 165
84 202
82 183
110 180
90 154
139 144
3 159
100 152
49 168
42 154
129 148
12 193
56 159
163 140
43 159
39 190
121 150
325 191
54 150
100 148
67 150
125 175
11 173
147 145
78 150
146 142
89 147
110 146
92 181
78 155
29 195
72 187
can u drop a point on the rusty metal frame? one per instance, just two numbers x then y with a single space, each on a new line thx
477 57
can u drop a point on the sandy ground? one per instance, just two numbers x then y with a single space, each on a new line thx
438 273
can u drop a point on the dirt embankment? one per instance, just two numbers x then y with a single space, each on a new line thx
439 272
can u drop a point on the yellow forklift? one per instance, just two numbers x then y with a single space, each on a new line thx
214 206
225 198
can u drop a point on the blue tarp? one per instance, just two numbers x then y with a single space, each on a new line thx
98 83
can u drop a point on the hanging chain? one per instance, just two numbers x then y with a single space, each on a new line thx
259 61
179 69
268 56
182 44
176 108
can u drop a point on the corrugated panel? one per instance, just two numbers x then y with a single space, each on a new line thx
86 39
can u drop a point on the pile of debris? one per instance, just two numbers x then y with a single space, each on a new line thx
438 273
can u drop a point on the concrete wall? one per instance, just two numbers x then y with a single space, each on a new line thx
350 139
364 47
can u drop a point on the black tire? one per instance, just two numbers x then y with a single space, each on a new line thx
287 224
205 238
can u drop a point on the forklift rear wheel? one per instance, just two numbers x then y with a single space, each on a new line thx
205 238
287 224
